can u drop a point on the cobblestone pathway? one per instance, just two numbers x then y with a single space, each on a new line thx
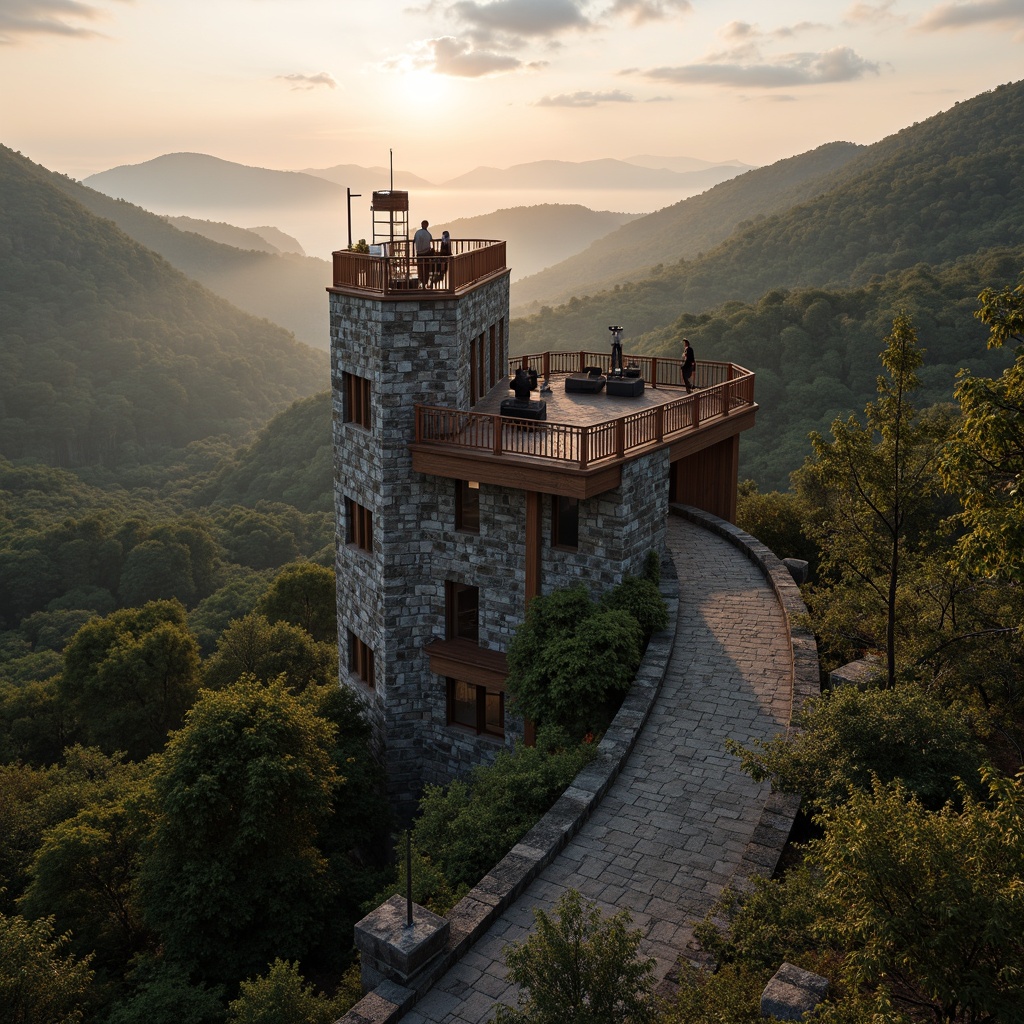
670 832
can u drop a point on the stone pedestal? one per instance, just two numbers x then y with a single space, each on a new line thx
391 950
857 673
792 993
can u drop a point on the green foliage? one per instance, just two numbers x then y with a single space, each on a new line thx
236 598
253 646
34 725
130 676
467 827
234 874
39 983
777 521
579 967
110 353
874 486
848 738
730 995
928 904
270 535
571 660
984 460
281 996
304 594
165 994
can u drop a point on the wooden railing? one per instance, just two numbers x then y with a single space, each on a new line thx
399 270
722 389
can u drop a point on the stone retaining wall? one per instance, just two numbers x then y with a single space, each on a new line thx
499 889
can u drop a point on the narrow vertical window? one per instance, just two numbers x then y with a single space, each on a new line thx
467 506
462 612
358 526
565 522
356 395
494 357
360 660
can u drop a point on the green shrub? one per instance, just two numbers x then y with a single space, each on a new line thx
468 826
639 596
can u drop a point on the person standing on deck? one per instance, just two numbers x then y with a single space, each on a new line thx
689 365
422 242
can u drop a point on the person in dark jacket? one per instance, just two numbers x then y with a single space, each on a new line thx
689 365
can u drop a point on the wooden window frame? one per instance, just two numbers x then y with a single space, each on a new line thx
358 526
467 506
557 539
480 727
454 613
356 400
360 660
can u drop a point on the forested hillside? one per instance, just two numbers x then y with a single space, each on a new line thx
947 187
683 231
110 354
284 287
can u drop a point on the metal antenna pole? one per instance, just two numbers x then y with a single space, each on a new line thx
408 879
349 196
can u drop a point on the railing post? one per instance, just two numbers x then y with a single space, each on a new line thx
696 410
654 371
584 439
496 430
583 357
546 365
620 437
659 422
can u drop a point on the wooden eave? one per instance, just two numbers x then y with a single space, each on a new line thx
463 660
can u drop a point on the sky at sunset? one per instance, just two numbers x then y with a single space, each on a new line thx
454 84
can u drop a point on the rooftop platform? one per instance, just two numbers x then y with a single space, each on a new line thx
579 449
397 270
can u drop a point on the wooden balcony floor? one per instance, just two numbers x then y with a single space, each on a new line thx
582 410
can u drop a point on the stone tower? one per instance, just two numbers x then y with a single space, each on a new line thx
395 344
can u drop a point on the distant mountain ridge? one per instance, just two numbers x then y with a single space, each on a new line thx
239 238
935 192
686 229
111 356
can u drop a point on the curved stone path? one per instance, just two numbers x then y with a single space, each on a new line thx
680 817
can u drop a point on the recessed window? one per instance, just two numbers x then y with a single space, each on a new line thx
462 612
360 659
476 707
565 522
359 525
356 399
467 506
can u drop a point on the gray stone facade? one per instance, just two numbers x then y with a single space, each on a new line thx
392 597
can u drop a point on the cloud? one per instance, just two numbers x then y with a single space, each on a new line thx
870 14
19 18
461 60
584 99
641 11
306 82
840 64
978 12
501 19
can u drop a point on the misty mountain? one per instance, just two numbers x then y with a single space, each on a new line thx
683 163
537 236
229 234
368 179
590 174
285 288
110 355
684 230
188 180
934 192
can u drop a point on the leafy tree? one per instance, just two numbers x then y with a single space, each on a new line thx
927 905
39 984
849 737
165 994
252 645
130 676
236 598
281 996
579 968
34 725
984 460
304 595
155 570
639 596
83 875
874 484
467 827
234 875
777 520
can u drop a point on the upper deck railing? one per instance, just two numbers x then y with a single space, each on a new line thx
723 389
399 270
